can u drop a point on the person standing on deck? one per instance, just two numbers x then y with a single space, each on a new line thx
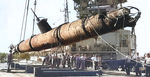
10 56
73 60
46 60
65 56
97 62
77 61
58 61
50 59
83 61
68 61
93 58
147 61
88 62
54 60
64 61
138 65
127 65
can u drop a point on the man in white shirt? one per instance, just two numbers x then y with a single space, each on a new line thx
127 65
96 60
83 58
138 65
93 58
147 61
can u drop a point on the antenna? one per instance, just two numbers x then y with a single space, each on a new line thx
66 16
35 15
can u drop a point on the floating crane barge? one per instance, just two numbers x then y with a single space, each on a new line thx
81 29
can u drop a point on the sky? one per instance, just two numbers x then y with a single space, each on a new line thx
11 16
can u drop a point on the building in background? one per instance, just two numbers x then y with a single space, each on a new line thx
111 46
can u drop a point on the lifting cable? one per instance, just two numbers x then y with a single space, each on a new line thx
25 15
24 21
105 40
136 18
35 2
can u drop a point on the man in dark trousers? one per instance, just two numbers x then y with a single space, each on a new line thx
45 61
127 65
138 65
9 60
77 61
147 61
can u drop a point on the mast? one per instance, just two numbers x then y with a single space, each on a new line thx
66 15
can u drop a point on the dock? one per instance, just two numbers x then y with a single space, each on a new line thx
108 73
37 71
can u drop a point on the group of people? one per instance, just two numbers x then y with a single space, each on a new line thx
54 60
80 62
138 65
83 62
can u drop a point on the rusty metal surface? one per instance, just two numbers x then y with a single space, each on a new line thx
79 30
